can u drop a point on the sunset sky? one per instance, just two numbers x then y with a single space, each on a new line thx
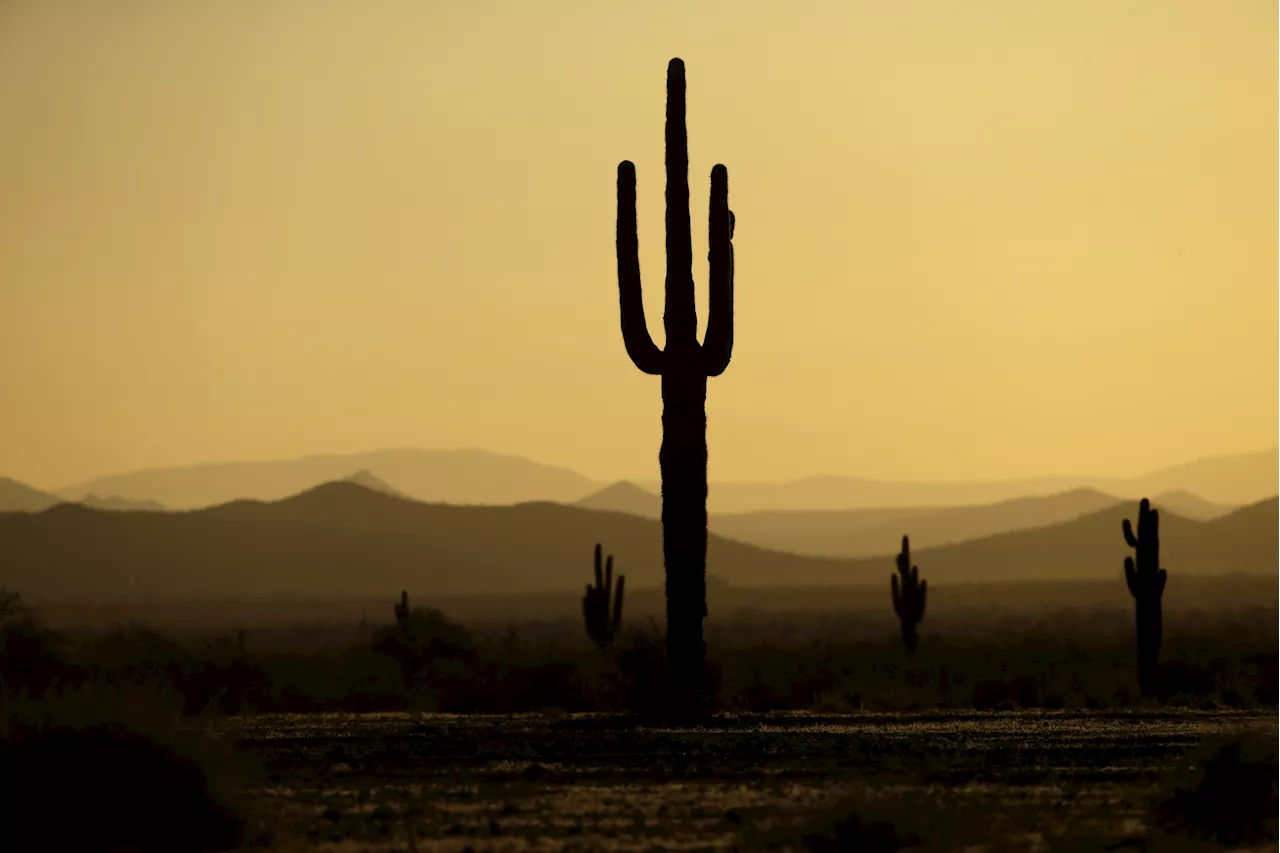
974 240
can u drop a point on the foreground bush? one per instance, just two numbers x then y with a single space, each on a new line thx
107 768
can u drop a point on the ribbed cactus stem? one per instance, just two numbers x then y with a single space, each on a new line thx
684 365
680 319
602 628
1146 581
908 596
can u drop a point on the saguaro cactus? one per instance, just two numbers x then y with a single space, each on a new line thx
908 597
595 604
1146 582
684 366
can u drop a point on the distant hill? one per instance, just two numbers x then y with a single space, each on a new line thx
19 497
1246 541
866 532
1238 479
863 533
367 480
1188 505
477 477
831 493
624 496
119 504
447 476
344 539
1233 480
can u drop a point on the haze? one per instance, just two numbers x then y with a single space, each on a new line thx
977 240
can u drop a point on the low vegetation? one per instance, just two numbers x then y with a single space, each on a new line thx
759 662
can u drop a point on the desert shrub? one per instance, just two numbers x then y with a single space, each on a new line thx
757 663
32 661
1224 792
102 767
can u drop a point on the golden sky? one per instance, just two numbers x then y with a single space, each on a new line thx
974 240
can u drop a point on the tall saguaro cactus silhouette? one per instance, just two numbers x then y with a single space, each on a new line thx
1146 582
684 366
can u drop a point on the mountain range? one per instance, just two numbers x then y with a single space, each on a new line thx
339 538
866 532
342 538
1232 480
19 497
476 477
441 476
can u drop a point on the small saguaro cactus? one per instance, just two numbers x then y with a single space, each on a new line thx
684 365
595 604
908 596
1146 582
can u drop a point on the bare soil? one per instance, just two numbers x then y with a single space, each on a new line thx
972 781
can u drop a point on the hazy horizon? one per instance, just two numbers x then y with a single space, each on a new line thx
642 481
986 242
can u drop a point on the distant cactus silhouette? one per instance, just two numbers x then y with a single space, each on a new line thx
402 609
421 639
908 597
1146 582
684 366
595 604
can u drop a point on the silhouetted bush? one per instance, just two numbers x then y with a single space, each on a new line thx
1225 792
101 767
107 788
31 660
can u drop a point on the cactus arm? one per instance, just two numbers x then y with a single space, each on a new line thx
607 592
717 348
897 595
1128 534
617 605
590 613
599 579
1131 577
680 318
635 332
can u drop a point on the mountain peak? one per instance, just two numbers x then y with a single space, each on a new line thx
624 496
19 497
339 494
464 476
366 478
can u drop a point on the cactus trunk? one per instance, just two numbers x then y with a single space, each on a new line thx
1148 622
684 366
683 461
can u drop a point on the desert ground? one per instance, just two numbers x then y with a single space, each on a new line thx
1021 780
